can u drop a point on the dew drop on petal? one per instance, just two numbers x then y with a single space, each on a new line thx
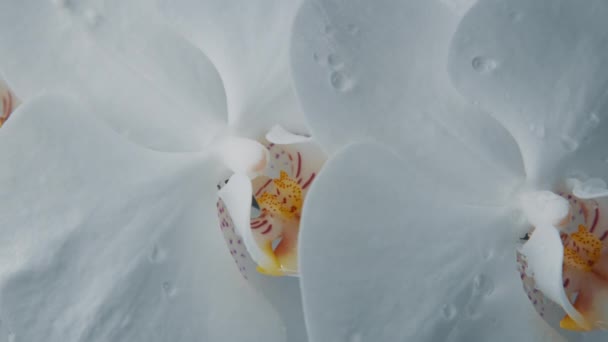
315 57
92 18
569 143
168 289
329 31
483 64
449 312
594 120
352 29
487 254
157 255
516 16
483 285
319 59
538 130
334 61
340 81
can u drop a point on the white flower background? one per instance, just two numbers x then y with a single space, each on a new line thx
436 116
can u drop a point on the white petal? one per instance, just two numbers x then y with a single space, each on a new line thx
378 72
150 84
104 241
248 42
237 198
540 67
545 254
590 188
279 135
241 155
385 258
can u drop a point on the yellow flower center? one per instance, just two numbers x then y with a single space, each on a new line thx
287 202
582 253
284 207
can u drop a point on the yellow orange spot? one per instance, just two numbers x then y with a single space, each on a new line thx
573 259
287 201
584 251
275 272
274 268
569 324
588 243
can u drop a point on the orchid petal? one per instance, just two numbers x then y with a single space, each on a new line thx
385 257
236 196
105 241
393 55
544 255
279 135
248 43
540 67
590 188
150 84
241 155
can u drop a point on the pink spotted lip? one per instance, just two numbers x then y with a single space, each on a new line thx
272 231
237 249
588 213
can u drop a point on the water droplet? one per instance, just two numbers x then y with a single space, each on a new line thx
340 81
483 285
449 311
126 321
157 255
569 143
594 119
487 254
516 16
483 64
538 130
469 311
169 289
319 59
334 61
352 29
92 18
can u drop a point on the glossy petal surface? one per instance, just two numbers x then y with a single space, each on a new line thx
541 69
378 71
105 241
385 259
149 84
248 42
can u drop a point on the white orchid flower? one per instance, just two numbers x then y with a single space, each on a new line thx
112 233
415 232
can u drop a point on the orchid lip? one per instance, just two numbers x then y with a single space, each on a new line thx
267 238
582 280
